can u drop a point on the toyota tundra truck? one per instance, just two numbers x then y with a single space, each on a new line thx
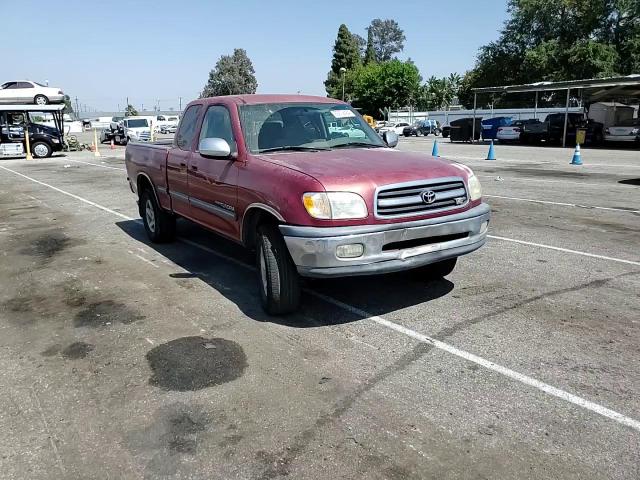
266 171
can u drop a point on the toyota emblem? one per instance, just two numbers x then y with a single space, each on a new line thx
428 196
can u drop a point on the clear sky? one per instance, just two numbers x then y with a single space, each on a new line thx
104 51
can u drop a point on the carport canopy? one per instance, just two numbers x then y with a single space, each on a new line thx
596 89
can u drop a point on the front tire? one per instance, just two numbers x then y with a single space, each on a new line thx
278 279
41 150
40 100
159 224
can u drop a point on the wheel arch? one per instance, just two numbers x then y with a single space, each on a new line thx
143 181
254 215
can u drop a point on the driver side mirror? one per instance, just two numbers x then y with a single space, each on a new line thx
214 147
390 138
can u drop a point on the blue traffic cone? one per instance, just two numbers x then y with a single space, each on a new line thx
492 154
435 152
577 158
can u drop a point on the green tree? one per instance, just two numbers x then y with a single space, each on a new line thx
346 54
438 93
388 38
387 84
559 40
232 75
68 108
130 111
370 52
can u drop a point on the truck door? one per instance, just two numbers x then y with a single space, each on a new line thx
213 181
178 161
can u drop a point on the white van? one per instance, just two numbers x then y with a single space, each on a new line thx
136 129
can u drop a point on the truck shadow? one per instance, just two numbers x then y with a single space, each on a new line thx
229 269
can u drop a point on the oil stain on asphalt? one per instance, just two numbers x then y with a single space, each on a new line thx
74 351
194 363
103 313
173 434
48 245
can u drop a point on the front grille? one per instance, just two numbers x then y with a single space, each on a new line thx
405 199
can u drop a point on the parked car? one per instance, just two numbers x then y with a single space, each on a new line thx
462 129
168 129
43 139
490 126
397 128
264 171
26 91
625 131
511 133
422 127
552 129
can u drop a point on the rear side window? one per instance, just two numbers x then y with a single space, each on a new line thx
187 130
217 124
24 85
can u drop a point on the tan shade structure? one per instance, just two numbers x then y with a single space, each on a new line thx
595 89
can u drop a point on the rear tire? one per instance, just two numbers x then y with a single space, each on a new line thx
278 280
159 224
40 100
435 271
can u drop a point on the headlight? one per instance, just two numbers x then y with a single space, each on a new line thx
475 190
635 131
334 205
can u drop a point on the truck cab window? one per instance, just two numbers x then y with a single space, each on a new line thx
187 130
217 124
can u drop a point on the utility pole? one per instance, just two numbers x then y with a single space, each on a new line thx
77 107
180 109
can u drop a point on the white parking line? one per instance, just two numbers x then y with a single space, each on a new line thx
96 165
533 200
566 250
519 377
89 202
563 182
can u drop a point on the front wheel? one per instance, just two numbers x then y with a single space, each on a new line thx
41 150
278 279
159 224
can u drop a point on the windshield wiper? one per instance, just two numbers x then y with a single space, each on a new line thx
292 148
358 144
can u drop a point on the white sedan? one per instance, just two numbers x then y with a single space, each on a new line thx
511 133
625 131
394 127
26 91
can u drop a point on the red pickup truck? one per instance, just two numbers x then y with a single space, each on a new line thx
309 185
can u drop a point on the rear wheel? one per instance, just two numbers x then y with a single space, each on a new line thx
40 100
278 279
159 224
435 271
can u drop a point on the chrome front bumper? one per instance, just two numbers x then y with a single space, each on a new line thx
313 249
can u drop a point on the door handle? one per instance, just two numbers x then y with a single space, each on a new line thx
183 164
194 168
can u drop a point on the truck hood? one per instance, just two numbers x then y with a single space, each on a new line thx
362 170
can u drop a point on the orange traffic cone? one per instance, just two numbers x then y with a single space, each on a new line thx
112 147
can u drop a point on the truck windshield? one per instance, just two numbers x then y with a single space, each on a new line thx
137 123
275 126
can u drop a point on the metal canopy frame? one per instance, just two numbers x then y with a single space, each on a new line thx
620 86
56 111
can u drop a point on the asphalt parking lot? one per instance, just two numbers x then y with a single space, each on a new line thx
123 359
